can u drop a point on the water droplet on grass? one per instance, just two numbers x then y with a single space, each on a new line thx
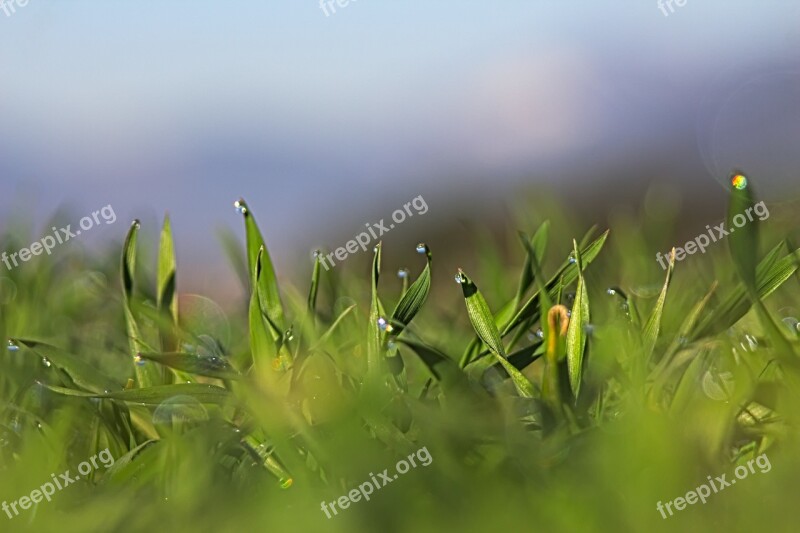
402 273
286 482
739 181
46 362
422 248
12 346
240 206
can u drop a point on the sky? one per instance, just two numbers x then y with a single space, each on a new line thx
323 122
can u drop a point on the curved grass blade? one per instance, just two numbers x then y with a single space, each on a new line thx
770 275
263 348
214 366
413 299
653 325
483 322
177 394
743 244
267 281
82 373
374 334
576 333
145 376
563 277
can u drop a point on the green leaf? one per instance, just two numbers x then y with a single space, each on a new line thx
576 334
177 394
262 344
743 238
413 299
146 376
82 373
374 334
167 296
565 276
653 325
266 280
211 366
483 322
770 274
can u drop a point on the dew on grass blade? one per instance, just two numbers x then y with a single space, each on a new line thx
402 273
139 360
316 253
421 248
739 181
46 362
460 279
286 482
240 206
384 325
12 347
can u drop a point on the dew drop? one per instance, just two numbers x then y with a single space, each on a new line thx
611 292
240 206
402 273
382 323
422 248
460 278
12 347
792 323
316 253
289 335
572 259
286 482
739 181
46 362
136 223
540 333
139 360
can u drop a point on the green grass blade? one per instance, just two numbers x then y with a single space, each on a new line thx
565 276
413 299
267 280
177 394
483 323
145 376
213 366
82 373
576 333
653 325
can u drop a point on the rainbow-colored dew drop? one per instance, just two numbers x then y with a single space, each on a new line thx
739 181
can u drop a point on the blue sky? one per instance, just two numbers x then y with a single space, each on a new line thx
185 106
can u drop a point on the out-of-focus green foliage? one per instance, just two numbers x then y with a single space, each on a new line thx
309 396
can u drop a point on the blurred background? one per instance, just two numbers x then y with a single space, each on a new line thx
327 122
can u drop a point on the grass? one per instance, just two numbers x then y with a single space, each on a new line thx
585 387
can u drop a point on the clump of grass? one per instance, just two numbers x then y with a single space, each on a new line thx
571 406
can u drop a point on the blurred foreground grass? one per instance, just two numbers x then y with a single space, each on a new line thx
632 393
